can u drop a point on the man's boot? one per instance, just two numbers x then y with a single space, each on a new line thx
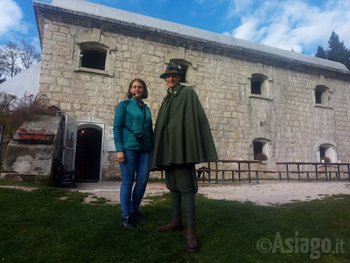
175 224
192 240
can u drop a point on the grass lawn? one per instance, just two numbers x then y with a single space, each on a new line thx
39 226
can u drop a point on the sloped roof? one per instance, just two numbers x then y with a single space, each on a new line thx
104 13
26 81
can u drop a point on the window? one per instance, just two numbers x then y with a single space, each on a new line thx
258 85
322 95
327 153
93 57
94 53
184 65
260 149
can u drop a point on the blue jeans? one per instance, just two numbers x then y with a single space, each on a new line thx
135 168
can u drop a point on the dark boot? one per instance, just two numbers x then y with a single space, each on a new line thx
192 240
128 222
175 224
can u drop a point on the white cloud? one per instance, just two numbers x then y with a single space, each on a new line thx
292 24
10 17
236 7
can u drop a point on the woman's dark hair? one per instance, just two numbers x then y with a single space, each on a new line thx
145 91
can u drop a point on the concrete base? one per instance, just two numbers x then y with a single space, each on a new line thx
18 177
33 161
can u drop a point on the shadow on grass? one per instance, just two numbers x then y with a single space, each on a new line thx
53 225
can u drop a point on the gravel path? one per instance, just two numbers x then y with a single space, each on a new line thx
265 193
274 193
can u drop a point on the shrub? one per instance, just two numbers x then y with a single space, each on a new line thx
260 157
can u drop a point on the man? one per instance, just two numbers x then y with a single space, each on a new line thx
182 138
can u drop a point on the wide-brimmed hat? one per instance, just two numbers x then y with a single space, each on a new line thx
172 68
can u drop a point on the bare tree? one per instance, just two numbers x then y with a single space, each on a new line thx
5 101
16 57
10 55
3 66
28 55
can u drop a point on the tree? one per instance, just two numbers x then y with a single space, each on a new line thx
11 56
336 51
4 65
5 102
22 108
28 55
321 53
14 111
16 57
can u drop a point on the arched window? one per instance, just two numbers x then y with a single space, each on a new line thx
328 153
322 95
261 149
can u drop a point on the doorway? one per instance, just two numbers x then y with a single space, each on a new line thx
88 154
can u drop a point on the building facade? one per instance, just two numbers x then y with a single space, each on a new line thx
261 102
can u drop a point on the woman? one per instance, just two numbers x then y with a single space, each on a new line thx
133 142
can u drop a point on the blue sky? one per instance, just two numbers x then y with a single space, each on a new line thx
299 25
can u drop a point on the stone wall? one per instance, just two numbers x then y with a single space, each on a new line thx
32 160
287 117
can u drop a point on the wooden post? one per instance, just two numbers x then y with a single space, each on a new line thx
338 172
239 172
209 172
249 172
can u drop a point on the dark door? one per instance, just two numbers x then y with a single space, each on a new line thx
88 155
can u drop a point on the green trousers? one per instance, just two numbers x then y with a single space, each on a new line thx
181 180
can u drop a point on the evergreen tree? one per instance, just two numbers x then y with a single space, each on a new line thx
321 53
336 51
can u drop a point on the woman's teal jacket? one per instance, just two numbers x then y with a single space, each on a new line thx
131 121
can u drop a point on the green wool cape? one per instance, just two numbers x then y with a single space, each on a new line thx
182 133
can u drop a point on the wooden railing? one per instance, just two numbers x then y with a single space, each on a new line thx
252 170
313 170
220 168
222 171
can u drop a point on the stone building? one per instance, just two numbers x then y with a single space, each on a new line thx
259 100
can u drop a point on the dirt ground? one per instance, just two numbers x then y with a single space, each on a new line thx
265 193
275 193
